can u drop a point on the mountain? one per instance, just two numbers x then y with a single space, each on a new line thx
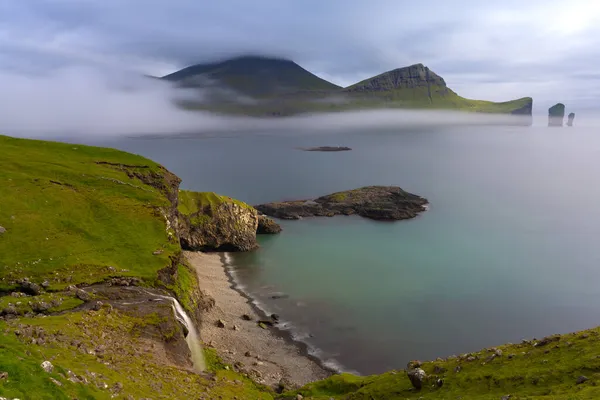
282 87
252 75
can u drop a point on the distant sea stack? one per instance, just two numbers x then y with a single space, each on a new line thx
571 119
556 115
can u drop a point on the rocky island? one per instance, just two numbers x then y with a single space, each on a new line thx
571 119
326 148
384 203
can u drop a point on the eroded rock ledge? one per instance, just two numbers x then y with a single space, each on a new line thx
386 203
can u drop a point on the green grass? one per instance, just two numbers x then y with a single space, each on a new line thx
534 372
71 220
195 202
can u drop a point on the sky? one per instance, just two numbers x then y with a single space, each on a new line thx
548 49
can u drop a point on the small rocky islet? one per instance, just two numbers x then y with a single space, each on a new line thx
382 203
326 148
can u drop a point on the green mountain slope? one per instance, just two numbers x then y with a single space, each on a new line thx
281 87
252 75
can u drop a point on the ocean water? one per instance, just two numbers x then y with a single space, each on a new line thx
509 249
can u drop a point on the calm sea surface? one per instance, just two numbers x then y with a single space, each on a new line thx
509 249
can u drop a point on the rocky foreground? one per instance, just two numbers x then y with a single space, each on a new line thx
383 203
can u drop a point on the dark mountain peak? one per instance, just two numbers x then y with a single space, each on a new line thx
413 76
253 75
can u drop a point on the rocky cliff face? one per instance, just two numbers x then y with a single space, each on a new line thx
571 119
556 115
216 223
412 77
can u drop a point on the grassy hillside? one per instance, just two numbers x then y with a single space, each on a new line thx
96 218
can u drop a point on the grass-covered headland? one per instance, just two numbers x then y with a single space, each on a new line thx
87 233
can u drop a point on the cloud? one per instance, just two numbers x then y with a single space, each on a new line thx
513 48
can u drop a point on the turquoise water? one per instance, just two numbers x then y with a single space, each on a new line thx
509 249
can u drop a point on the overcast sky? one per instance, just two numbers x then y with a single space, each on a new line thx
547 49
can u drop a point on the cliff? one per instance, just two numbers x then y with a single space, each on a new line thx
556 115
216 223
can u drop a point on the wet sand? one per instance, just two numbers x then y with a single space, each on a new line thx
265 354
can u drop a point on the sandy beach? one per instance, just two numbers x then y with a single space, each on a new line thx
263 353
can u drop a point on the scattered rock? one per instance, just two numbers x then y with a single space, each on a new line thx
47 366
439 383
57 383
220 323
3 375
266 226
471 358
547 340
30 287
2 230
458 369
40 306
299 397
275 317
438 370
417 376
507 397
83 295
236 328
511 356
45 284
157 252
582 379
9 310
246 317
414 364
98 306
248 354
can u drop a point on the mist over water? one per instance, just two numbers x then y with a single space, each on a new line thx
80 102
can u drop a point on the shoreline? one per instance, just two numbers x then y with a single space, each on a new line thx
270 355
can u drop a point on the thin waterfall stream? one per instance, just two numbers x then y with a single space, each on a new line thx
192 338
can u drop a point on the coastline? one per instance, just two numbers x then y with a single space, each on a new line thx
267 355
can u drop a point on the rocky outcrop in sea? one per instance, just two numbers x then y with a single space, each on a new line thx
556 115
374 202
571 119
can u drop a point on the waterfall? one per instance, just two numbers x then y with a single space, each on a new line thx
192 338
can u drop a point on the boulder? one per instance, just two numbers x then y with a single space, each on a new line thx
266 226
556 114
417 376
571 119
30 287
47 366
210 222
2 230
582 379
83 295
